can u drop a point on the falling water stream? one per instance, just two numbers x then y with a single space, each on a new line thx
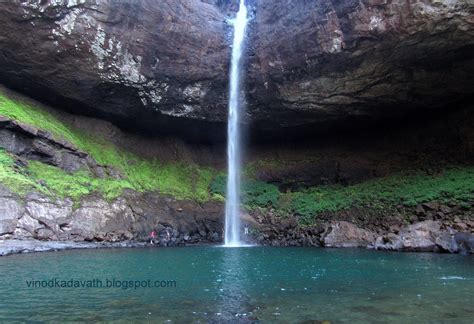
232 221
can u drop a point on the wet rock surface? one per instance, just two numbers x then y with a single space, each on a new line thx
427 236
344 234
421 237
129 218
452 233
161 66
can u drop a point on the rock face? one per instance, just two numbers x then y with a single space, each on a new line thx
10 211
35 144
344 234
359 60
130 217
162 65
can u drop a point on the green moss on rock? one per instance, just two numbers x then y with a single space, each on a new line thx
183 181
12 177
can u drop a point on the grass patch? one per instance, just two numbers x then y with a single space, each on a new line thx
12 177
58 183
183 181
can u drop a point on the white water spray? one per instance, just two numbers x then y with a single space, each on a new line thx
232 206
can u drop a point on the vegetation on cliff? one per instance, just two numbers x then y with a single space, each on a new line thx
409 188
254 193
180 180
12 175
201 184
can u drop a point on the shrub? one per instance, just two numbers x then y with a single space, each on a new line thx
254 193
259 193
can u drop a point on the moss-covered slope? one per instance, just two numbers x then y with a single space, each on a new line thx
184 181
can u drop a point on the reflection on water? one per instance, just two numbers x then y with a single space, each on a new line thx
232 298
242 284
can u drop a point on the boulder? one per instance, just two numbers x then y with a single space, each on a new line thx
447 243
42 210
347 235
420 236
28 224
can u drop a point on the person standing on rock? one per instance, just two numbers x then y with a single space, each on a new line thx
246 229
152 237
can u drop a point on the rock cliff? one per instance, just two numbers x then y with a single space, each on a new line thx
161 66
69 178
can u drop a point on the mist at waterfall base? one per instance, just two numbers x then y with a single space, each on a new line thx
232 206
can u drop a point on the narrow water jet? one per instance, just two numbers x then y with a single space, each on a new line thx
232 214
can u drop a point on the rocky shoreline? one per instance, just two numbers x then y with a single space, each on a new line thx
458 243
129 218
40 223
426 236
428 231
8 247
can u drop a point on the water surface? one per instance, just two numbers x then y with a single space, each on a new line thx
264 284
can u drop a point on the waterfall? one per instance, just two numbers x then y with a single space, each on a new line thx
232 206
